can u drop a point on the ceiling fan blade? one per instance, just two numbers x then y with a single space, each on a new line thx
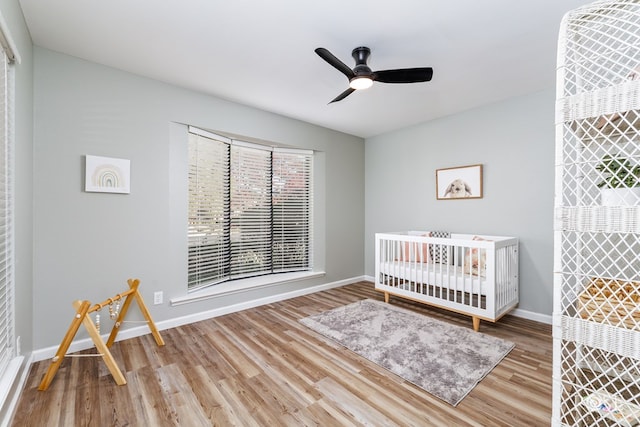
404 75
335 62
343 95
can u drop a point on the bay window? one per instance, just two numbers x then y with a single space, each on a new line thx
249 209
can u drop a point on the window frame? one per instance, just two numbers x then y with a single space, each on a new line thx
10 359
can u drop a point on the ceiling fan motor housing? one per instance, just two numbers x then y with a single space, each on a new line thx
361 56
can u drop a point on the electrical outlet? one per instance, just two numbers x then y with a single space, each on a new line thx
18 350
157 297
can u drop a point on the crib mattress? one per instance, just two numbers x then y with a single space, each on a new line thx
450 277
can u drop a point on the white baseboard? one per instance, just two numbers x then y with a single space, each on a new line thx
86 343
530 315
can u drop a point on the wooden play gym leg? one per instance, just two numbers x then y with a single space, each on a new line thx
83 309
81 312
133 291
476 323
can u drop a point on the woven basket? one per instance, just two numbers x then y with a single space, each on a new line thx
610 301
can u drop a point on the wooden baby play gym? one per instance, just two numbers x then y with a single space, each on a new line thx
82 316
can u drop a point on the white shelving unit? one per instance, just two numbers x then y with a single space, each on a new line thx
596 376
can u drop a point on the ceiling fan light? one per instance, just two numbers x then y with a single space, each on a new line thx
360 83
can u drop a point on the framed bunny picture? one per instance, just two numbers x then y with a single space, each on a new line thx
460 182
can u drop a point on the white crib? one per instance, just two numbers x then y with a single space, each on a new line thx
469 274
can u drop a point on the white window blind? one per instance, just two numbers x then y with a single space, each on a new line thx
291 210
249 209
208 234
7 338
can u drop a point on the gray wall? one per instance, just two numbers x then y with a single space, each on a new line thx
514 140
88 244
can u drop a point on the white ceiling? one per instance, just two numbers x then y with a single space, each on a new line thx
261 52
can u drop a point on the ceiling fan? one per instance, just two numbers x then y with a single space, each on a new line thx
361 77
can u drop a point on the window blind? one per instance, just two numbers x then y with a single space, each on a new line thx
208 235
249 209
7 339
292 207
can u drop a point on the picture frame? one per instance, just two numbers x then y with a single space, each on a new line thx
460 182
107 175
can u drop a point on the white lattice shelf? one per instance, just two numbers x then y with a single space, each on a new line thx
621 341
611 99
598 219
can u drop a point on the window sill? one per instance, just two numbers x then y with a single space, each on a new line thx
237 286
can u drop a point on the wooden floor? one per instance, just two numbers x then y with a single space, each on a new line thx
261 367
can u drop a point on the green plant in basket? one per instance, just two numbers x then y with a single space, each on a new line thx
618 172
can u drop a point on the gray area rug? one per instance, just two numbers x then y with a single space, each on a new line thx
445 360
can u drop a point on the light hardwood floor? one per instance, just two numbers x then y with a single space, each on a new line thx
261 367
